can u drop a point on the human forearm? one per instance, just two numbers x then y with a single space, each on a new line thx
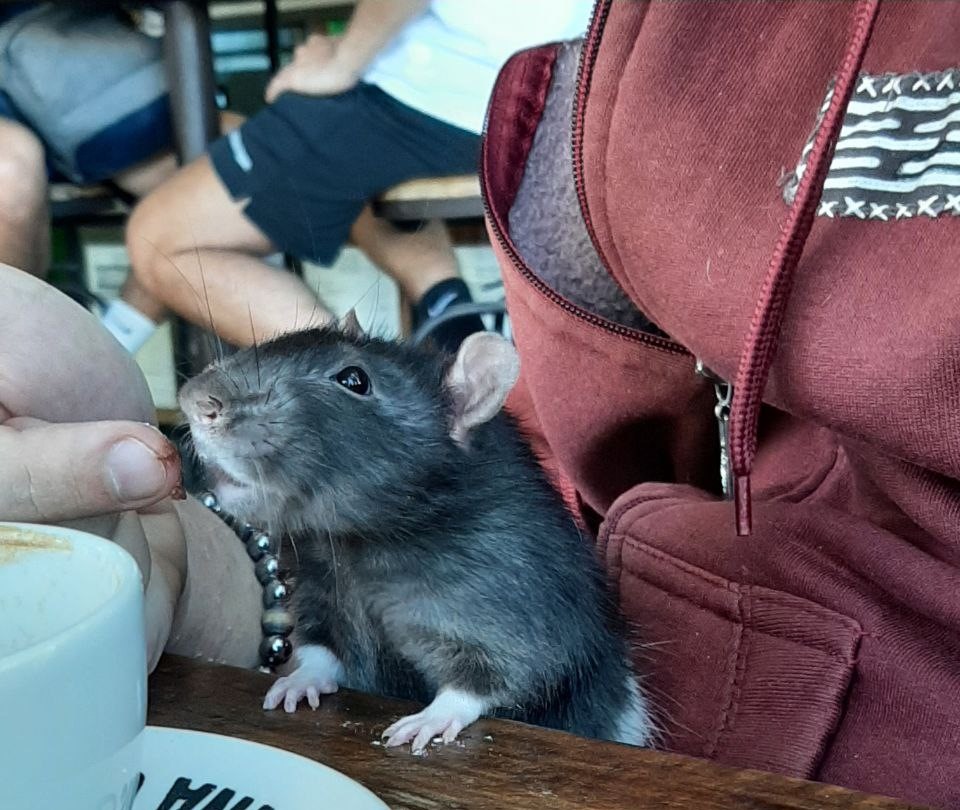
371 28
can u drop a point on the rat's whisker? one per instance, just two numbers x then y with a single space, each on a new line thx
190 286
256 348
206 298
293 545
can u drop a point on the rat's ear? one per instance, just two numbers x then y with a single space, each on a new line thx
484 371
350 325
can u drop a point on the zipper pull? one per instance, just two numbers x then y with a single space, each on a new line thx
724 394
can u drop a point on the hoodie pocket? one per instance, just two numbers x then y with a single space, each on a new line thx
746 675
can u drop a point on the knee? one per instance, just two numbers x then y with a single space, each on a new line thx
23 174
149 247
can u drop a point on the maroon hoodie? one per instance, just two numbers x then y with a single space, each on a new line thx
775 186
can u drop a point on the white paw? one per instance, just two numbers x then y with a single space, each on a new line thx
450 712
318 672
294 688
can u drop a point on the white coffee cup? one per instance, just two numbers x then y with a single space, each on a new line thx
73 672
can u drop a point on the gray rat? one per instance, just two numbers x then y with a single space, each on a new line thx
437 563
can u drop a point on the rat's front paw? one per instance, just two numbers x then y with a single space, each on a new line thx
291 689
317 673
450 712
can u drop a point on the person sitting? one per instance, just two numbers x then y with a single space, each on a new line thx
401 95
108 122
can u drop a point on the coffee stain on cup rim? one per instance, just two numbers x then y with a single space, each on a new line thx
15 542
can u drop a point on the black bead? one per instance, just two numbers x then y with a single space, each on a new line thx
258 545
275 650
275 593
266 569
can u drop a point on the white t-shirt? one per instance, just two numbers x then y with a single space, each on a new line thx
444 63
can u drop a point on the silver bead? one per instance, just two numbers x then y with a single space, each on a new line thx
275 650
209 500
277 622
267 569
275 593
258 545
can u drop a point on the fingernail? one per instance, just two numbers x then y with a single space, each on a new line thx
134 471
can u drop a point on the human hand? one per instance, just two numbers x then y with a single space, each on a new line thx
76 446
315 70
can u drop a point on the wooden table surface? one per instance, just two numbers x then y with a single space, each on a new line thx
497 764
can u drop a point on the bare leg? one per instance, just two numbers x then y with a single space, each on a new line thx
425 267
138 297
192 249
139 181
24 215
416 261
142 178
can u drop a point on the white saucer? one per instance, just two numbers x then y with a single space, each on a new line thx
269 776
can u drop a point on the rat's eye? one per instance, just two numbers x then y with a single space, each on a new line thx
354 379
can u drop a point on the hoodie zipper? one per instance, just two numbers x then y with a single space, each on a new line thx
760 344
588 58
738 404
723 391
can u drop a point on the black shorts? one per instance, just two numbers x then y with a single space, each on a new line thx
309 164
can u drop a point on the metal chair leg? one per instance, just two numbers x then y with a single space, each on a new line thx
189 63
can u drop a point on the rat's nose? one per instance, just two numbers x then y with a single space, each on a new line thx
207 409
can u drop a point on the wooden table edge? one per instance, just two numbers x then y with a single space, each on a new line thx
503 764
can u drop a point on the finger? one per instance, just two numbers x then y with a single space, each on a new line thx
159 608
105 525
160 524
404 730
292 699
275 695
65 471
59 363
424 735
278 84
452 731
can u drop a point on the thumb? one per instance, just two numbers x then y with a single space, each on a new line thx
52 472
280 83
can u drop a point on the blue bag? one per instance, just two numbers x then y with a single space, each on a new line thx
89 84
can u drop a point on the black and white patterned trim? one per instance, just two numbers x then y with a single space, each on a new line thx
898 154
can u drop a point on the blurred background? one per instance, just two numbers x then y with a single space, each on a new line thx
248 41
